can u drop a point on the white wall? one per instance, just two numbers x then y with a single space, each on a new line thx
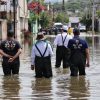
22 18
4 29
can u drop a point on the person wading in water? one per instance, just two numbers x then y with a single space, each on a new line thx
79 57
41 57
62 52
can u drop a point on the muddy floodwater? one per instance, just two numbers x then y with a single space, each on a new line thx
60 87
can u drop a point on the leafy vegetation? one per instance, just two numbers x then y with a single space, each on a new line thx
61 17
98 13
44 19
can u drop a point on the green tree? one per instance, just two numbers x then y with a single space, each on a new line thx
98 13
33 17
44 19
86 21
61 17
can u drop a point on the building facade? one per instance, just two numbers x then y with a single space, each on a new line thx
3 19
7 17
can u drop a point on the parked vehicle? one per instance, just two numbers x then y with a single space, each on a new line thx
82 28
57 26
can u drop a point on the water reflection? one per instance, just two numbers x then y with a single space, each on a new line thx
78 88
41 88
60 87
10 88
60 83
61 71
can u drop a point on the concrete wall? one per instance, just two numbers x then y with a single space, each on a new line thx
22 18
4 29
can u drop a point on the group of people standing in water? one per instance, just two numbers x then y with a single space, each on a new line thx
71 51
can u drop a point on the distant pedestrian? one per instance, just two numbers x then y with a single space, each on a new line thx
70 31
79 58
41 57
55 30
62 52
10 50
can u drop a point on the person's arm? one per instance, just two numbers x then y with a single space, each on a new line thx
50 49
32 58
55 41
87 58
4 54
15 56
1 50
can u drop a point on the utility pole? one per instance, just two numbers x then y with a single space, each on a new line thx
93 11
63 5
14 15
53 13
38 15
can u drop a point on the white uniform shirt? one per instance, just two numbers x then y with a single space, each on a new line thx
42 46
58 39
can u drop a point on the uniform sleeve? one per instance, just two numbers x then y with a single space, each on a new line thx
18 45
50 49
33 56
2 45
86 45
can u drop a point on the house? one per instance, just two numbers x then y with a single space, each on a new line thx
7 18
3 19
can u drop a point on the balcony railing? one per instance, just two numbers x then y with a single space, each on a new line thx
3 7
3 2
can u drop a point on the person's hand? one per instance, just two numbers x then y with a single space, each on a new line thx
87 64
11 59
32 67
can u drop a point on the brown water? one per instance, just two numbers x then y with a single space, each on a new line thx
60 87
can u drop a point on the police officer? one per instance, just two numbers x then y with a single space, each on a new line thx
10 50
79 54
62 52
41 57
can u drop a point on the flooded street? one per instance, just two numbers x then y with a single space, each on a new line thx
60 87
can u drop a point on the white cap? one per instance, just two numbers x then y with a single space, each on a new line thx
40 33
